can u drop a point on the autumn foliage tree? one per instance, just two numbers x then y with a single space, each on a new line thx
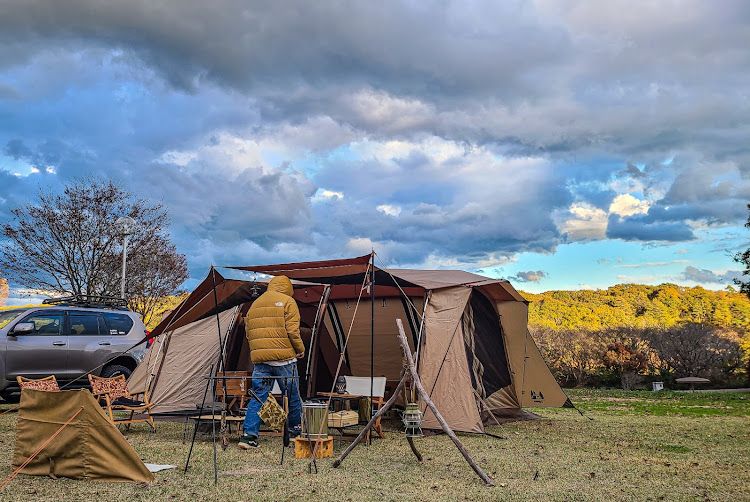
68 243
3 291
628 358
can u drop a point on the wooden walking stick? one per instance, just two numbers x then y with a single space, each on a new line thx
410 373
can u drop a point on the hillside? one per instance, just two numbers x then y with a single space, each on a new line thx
632 332
638 306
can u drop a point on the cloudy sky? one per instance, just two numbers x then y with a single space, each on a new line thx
558 144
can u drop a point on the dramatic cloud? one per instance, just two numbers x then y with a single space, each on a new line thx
458 135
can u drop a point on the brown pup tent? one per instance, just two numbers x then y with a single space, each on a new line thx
90 447
476 356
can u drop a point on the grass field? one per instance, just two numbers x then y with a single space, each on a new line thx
639 446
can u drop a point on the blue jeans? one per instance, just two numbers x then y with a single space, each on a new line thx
262 387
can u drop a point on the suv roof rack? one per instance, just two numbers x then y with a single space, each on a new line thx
90 301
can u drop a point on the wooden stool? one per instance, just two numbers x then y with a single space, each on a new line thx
323 447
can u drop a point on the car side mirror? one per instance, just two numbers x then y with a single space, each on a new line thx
22 328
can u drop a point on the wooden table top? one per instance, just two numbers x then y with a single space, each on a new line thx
343 396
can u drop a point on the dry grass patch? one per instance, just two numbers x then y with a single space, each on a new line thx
621 455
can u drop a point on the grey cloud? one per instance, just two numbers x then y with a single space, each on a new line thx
253 205
548 77
703 276
715 212
633 171
14 193
638 228
530 276
702 181
446 209
16 149
189 41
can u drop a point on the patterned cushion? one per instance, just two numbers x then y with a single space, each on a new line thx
116 387
48 385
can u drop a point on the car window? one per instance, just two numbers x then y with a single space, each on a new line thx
118 324
8 315
47 323
84 324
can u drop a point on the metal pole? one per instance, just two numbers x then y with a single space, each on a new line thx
198 421
124 259
372 331
222 364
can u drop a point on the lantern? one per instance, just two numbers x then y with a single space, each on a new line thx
341 385
412 418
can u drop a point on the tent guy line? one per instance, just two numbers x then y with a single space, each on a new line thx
39 450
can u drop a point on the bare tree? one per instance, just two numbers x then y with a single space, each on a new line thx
691 349
68 244
156 273
571 354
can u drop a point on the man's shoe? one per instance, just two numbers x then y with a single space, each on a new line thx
295 431
248 441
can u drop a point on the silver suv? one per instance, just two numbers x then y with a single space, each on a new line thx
68 339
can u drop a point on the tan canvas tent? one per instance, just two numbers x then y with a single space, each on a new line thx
90 447
476 356
177 382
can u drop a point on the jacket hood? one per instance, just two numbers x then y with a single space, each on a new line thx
281 284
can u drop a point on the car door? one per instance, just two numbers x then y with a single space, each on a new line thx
89 343
42 352
119 327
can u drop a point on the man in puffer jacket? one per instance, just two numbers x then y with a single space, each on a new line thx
272 328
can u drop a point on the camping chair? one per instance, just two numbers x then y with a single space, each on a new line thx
236 388
117 397
361 386
48 384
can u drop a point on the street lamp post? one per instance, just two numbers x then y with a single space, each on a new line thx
126 226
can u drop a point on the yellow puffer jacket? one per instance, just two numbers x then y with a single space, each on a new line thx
272 324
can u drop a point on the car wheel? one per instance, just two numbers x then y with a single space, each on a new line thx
115 370
10 397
